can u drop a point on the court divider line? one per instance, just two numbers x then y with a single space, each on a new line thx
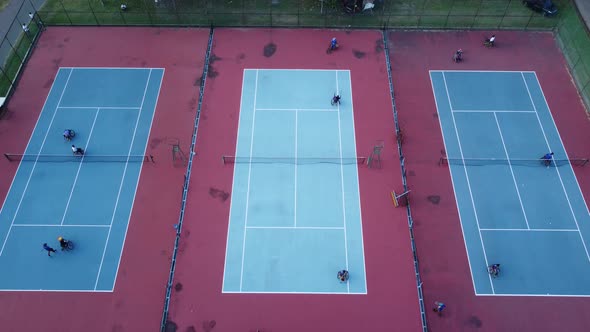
297 109
79 168
491 111
342 184
479 71
295 69
528 230
295 184
534 295
358 186
561 141
295 292
295 227
526 220
229 225
139 175
102 107
452 180
249 176
56 225
117 68
35 163
556 168
468 183
121 183
28 143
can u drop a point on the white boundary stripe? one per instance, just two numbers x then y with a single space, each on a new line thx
358 186
318 293
56 225
35 164
248 186
295 180
121 183
556 168
452 182
526 220
296 69
233 183
490 111
101 107
535 295
342 185
479 71
527 230
79 168
468 182
295 227
137 68
298 110
28 143
139 176
56 290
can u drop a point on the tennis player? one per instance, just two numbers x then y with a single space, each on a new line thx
547 158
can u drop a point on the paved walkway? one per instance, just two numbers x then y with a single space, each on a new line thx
11 11
584 9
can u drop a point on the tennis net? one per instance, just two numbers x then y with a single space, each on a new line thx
516 162
56 158
293 161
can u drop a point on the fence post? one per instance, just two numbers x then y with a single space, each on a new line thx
66 12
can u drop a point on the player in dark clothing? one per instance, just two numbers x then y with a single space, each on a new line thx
547 159
49 249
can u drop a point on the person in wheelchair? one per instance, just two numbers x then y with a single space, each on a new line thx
494 270
77 151
69 134
458 56
343 275
63 243
336 100
489 42
546 159
333 44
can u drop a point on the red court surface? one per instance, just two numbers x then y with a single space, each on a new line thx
443 260
137 301
198 303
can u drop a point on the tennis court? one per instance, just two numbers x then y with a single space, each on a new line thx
86 199
295 216
515 211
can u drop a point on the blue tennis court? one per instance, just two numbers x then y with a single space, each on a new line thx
295 217
86 199
515 211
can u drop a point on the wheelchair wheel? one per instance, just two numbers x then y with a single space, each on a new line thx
70 245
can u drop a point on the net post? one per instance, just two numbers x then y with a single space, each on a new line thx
223 160
7 157
442 161
152 158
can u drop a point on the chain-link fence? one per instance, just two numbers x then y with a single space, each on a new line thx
446 14
16 45
574 38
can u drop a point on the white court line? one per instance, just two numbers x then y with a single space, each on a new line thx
479 71
342 186
56 290
490 111
295 184
101 107
452 181
485 256
121 184
556 168
298 109
527 230
293 292
534 295
119 68
139 176
248 186
294 69
35 163
233 186
79 168
512 172
358 186
295 227
56 225
28 143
